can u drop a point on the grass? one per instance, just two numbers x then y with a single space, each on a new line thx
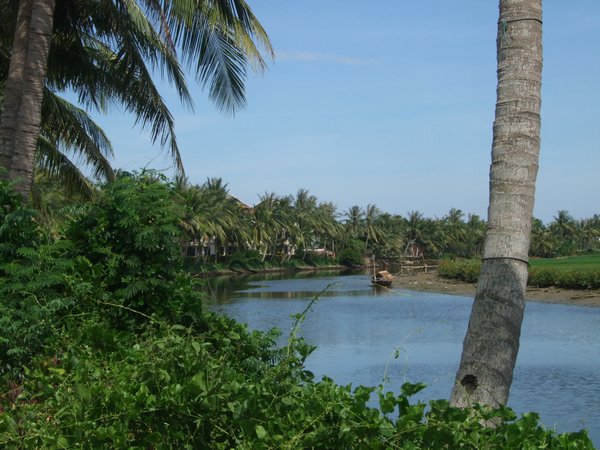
583 262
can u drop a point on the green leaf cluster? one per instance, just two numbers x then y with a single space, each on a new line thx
353 254
573 279
466 270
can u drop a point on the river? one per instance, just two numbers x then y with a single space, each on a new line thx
368 336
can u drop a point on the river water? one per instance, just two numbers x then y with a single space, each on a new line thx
368 336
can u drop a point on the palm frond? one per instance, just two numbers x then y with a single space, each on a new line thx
217 37
74 130
58 167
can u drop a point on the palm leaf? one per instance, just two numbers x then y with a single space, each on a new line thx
72 128
56 166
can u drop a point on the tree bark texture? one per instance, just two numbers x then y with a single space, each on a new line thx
18 138
491 344
14 86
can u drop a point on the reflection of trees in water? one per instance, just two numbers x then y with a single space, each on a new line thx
221 288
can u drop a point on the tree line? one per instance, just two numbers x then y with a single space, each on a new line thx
217 227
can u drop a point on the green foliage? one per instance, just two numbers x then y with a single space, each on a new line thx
353 254
543 273
222 388
129 240
316 260
466 270
88 369
246 260
568 279
33 282
18 227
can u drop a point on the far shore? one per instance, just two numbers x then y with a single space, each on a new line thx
432 282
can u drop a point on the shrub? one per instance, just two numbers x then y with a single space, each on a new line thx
129 238
466 270
35 283
353 254
246 260
567 279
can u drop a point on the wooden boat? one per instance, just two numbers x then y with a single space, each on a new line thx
382 278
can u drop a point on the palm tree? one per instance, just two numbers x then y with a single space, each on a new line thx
354 220
212 216
264 225
24 90
543 242
329 229
474 236
108 54
392 227
287 228
305 215
564 228
492 341
589 235
371 230
455 232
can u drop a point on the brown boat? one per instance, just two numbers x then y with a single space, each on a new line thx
382 278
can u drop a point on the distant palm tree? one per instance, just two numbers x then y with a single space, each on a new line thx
354 220
543 242
455 232
589 234
264 225
415 223
474 236
330 230
287 228
372 232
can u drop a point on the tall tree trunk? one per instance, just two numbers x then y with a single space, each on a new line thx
13 91
492 341
19 138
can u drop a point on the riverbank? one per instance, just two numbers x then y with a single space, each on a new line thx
432 282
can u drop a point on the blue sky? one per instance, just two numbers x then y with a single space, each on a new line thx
390 105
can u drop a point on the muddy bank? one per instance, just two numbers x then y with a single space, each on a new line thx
434 283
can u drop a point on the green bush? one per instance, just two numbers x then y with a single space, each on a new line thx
567 279
353 254
245 260
542 277
35 283
466 270
129 237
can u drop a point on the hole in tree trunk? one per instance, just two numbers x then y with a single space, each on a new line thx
469 382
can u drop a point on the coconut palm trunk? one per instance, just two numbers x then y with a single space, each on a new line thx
13 91
492 341
18 137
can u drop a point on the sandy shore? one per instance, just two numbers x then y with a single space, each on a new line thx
434 283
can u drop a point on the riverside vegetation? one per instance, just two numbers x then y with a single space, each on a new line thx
575 272
299 230
105 344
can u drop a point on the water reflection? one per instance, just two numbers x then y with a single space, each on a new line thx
360 330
